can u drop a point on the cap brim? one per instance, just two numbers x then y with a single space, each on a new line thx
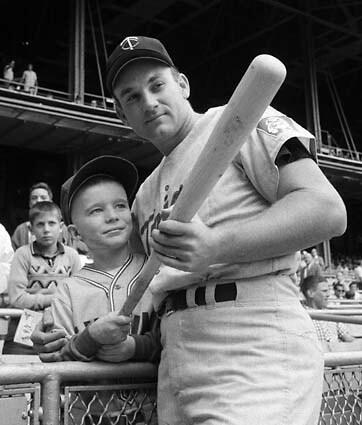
118 168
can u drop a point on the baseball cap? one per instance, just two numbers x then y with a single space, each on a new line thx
115 167
133 48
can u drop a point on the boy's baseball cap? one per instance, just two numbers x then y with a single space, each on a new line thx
130 49
115 167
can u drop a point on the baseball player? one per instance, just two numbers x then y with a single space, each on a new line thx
238 348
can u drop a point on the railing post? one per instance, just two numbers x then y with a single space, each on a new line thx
51 400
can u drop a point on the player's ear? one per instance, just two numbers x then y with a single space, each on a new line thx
184 84
72 229
119 111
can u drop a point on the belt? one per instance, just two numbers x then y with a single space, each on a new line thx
176 300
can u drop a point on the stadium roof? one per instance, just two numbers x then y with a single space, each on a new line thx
212 41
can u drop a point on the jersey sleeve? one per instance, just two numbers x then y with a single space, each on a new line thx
258 156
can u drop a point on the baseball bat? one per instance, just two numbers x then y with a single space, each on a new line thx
240 117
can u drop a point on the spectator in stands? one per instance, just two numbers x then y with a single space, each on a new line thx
311 268
6 256
22 235
30 80
339 290
353 293
8 74
37 268
317 258
341 279
316 292
358 270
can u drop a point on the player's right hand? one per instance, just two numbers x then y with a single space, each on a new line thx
47 341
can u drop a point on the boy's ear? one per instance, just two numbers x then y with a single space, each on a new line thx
72 229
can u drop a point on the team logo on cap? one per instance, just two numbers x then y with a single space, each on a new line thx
129 43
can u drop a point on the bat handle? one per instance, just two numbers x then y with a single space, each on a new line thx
143 280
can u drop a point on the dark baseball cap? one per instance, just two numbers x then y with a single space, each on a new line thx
115 167
133 48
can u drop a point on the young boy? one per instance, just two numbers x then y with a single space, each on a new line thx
38 268
22 235
96 208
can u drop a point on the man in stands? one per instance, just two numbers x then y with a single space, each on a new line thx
339 290
316 292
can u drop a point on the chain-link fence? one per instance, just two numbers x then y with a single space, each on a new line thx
75 393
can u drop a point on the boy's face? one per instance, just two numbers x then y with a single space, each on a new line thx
102 217
46 228
153 103
38 195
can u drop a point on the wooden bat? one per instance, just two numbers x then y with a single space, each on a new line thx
240 117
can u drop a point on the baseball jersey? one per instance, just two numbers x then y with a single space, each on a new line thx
90 294
248 187
34 277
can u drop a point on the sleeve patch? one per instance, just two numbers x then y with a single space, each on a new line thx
276 125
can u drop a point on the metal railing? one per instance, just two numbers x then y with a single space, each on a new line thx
77 393
70 393
90 100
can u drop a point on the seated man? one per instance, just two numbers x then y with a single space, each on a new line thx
353 293
339 291
316 292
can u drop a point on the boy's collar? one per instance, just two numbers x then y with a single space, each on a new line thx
36 249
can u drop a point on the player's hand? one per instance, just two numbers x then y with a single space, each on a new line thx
110 329
184 246
120 352
47 341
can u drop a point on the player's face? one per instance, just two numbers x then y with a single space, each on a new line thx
321 295
38 195
154 103
102 217
46 228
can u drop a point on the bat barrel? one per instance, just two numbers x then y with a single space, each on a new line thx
240 117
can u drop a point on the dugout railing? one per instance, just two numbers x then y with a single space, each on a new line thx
76 393
96 393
